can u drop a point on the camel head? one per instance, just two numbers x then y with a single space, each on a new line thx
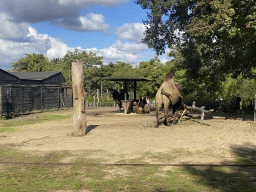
177 84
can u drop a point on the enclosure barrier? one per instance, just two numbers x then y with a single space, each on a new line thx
18 99
217 108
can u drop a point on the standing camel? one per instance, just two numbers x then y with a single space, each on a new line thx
169 92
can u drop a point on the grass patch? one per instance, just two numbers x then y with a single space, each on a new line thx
167 157
7 129
53 117
8 126
80 175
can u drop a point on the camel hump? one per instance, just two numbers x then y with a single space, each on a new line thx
168 76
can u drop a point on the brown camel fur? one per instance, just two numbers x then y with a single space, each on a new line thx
168 93
141 107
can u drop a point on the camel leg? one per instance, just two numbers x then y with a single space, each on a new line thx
174 118
166 109
157 116
120 106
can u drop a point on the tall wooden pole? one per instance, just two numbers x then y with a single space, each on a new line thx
254 108
134 90
79 99
1 102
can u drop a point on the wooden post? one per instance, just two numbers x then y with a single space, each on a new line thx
101 89
254 108
125 103
98 94
134 90
79 98
1 102
58 98
41 98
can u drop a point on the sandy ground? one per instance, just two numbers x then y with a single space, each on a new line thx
114 136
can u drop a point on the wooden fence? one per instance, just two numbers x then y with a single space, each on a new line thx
18 100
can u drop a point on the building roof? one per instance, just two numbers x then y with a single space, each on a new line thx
34 75
45 78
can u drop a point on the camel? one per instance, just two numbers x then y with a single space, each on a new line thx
119 96
141 107
168 93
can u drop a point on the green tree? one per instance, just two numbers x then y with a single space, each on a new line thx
166 21
220 31
245 88
232 22
89 60
34 63
153 70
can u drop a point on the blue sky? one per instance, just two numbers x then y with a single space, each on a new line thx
110 28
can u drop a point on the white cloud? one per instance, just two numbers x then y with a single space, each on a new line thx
63 13
38 11
55 48
11 30
19 38
92 22
33 11
164 58
125 52
12 51
131 32
85 3
130 47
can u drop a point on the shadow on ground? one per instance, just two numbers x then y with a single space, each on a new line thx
240 177
91 127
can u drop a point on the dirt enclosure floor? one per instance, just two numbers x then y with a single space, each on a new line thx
115 136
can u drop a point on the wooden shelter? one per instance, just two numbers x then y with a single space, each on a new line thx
23 92
127 79
127 103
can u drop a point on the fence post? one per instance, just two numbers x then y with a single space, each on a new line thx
42 96
58 98
1 108
79 98
125 104
22 100
254 108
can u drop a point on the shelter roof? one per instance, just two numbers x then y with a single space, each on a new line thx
121 78
34 75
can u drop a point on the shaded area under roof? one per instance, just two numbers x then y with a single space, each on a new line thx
125 79
120 78
34 75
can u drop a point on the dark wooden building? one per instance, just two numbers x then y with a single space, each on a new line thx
24 92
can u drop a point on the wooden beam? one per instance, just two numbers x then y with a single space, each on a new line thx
193 107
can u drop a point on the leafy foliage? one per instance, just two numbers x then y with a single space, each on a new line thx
153 70
89 60
214 35
231 21
165 22
33 62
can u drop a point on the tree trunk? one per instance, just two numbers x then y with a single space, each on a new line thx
79 98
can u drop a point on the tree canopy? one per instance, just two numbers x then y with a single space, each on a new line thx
233 22
33 62
215 36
